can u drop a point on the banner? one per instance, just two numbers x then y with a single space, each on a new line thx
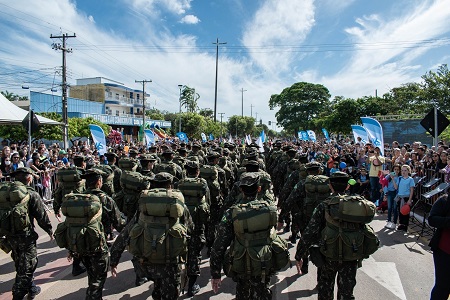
260 144
150 137
99 138
262 135
182 136
211 137
248 139
311 135
325 133
303 135
359 131
375 132
230 139
203 137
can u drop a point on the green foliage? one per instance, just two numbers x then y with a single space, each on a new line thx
154 114
240 125
50 132
436 89
299 105
79 127
189 99
206 112
13 97
13 133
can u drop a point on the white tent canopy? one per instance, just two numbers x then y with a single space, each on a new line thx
10 114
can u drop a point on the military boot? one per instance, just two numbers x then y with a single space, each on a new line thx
33 292
77 268
193 288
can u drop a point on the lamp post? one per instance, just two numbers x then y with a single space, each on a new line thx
179 100
221 128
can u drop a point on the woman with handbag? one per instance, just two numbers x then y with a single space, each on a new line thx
404 184
440 245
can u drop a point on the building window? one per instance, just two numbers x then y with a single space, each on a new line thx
117 113
131 95
117 96
137 96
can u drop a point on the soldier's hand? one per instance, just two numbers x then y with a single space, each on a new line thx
58 217
216 285
52 238
114 271
299 265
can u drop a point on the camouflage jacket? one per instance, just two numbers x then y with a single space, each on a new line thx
312 233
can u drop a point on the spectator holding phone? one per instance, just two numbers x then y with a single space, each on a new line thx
376 161
389 195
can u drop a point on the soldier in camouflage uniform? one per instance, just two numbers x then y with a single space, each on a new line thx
153 150
346 270
166 277
112 160
23 244
199 210
97 263
111 215
168 165
246 288
148 162
180 159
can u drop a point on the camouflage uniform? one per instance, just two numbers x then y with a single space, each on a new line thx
346 270
253 288
111 215
23 244
166 277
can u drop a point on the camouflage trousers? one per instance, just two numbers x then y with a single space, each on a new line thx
196 244
254 288
166 280
97 268
346 280
24 255
214 220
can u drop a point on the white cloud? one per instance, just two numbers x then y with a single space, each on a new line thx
151 7
91 19
190 19
278 23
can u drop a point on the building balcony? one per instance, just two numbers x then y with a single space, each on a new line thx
124 119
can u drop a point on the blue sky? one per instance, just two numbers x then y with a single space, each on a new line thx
352 47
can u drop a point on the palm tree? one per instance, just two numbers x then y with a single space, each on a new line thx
189 99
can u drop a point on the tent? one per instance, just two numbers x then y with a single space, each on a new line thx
11 114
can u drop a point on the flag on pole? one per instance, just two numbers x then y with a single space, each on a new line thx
311 135
211 137
359 131
325 133
99 138
150 137
375 132
182 136
262 135
230 139
260 144
248 139
203 137
303 135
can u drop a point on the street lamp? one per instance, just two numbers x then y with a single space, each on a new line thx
179 100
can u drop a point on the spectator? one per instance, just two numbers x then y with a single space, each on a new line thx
6 153
404 185
389 195
16 162
376 166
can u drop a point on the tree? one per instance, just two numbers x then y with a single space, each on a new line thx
405 99
299 105
206 112
240 126
436 89
79 127
14 97
344 113
50 132
189 98
154 114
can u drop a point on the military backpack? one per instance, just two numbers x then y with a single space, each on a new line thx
347 236
68 175
14 217
211 175
82 231
194 192
134 181
317 189
158 237
108 184
257 250
166 166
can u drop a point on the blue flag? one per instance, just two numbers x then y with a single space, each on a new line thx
182 136
99 138
311 135
211 137
203 137
150 137
325 133
262 136
303 135
375 132
359 131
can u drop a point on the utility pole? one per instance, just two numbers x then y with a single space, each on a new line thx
180 86
57 46
251 110
256 117
217 70
242 91
143 107
221 128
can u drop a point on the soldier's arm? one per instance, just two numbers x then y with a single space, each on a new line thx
312 231
118 222
207 193
187 220
225 236
57 200
121 243
37 211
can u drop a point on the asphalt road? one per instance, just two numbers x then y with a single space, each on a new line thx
401 269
